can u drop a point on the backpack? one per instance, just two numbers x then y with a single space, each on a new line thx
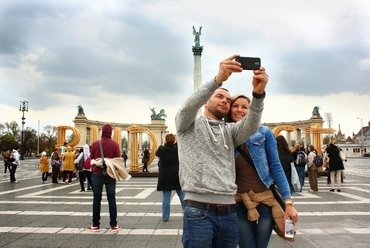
87 164
301 159
11 157
318 161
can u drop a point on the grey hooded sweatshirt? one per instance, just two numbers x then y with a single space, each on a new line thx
206 148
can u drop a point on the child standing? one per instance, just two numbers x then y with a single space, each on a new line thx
44 167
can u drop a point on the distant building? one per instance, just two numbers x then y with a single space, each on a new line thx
339 137
352 145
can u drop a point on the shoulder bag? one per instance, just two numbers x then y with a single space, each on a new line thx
294 178
274 188
80 165
342 154
55 161
103 161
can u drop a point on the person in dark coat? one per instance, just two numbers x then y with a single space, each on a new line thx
335 166
168 179
145 159
285 156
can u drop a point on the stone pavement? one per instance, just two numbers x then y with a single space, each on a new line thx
33 214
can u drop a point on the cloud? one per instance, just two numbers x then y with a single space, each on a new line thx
117 58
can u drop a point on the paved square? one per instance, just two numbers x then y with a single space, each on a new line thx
56 215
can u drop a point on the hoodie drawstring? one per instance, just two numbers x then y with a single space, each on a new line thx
222 134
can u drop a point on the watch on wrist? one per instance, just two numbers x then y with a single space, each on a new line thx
259 96
289 202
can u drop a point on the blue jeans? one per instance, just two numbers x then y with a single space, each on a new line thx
205 229
13 168
98 180
251 234
166 202
301 175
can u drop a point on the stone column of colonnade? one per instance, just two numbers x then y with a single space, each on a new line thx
90 131
139 144
289 138
94 134
298 135
61 137
117 136
159 131
307 140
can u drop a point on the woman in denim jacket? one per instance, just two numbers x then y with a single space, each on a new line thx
262 149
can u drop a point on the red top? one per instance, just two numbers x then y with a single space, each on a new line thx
110 147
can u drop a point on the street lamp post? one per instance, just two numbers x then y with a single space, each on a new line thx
24 108
362 137
38 137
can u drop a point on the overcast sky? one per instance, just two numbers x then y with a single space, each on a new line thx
118 58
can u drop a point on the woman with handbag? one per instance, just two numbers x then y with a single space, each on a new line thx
84 172
256 170
55 165
335 166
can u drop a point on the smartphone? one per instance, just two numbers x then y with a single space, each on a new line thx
289 228
249 63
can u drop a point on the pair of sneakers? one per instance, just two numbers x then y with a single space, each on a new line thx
97 228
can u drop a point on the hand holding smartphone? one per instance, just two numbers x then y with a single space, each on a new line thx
289 228
249 63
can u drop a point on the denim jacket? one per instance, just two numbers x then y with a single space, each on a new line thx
262 147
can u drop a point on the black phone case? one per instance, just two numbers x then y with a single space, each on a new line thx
249 63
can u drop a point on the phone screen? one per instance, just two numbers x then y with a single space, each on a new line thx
289 228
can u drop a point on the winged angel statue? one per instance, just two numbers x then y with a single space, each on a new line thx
197 34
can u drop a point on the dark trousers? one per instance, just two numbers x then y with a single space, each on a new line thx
44 176
83 175
98 181
13 168
145 167
69 173
55 174
6 167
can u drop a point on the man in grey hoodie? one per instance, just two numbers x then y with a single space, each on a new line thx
206 153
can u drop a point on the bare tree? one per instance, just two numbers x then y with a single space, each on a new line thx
13 129
49 139
2 127
29 141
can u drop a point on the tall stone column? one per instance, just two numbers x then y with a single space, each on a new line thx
197 53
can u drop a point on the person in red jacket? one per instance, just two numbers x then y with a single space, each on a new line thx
100 178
